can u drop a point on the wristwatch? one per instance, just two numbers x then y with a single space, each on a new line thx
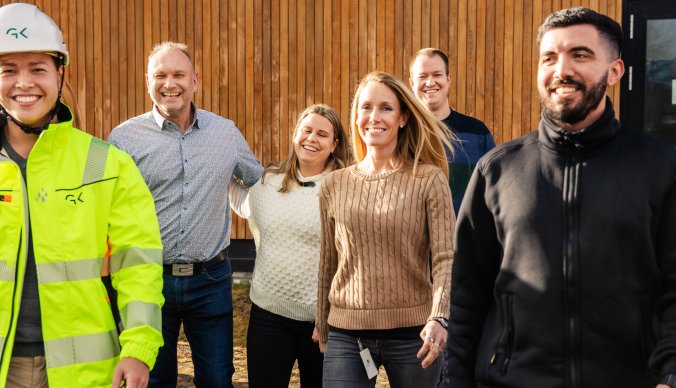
442 321
669 379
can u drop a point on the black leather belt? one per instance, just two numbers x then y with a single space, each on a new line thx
190 269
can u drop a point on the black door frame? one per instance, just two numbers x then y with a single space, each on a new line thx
635 14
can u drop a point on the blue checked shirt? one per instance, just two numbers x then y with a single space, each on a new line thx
188 175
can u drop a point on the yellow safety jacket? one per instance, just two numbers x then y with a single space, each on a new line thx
85 199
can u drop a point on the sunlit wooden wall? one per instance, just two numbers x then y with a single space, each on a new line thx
262 61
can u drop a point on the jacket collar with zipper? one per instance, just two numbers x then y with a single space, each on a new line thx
584 142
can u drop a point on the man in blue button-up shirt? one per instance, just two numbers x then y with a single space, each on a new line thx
187 157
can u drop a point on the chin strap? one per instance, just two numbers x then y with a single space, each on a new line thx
26 128
36 130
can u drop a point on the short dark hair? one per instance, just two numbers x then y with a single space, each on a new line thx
430 52
608 29
59 59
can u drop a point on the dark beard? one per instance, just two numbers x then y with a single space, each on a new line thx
572 114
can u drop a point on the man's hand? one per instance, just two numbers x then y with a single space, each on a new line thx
132 372
662 386
434 337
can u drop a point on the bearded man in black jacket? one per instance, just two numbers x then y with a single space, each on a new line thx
565 268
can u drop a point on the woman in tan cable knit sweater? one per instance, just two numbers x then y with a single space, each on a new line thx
387 229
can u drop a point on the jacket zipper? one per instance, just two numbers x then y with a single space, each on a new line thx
570 269
503 349
22 241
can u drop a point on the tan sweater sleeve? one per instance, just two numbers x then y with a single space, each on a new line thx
441 225
328 261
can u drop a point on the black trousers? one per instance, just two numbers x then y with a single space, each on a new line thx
274 343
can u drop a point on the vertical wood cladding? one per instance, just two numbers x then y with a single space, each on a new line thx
261 62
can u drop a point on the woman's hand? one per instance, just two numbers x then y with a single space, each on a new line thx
315 338
434 342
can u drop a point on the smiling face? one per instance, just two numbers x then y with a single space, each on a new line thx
171 82
379 117
430 82
574 70
29 86
313 142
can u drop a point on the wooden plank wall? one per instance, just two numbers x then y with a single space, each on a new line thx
261 62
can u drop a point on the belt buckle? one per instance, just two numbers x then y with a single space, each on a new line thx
185 269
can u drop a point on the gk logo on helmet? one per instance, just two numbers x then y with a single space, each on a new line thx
14 32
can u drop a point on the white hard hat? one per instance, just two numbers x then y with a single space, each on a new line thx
26 29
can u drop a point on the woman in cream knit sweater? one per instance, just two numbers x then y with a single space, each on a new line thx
283 213
387 231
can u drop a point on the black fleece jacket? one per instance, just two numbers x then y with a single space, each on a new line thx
565 268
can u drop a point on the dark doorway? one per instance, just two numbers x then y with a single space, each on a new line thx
648 94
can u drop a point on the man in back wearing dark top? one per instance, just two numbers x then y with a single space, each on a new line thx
430 81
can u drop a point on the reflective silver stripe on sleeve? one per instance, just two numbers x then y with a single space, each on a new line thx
2 344
68 271
137 313
134 256
6 272
81 349
96 161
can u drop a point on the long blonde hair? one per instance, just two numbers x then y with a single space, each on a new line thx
420 140
339 158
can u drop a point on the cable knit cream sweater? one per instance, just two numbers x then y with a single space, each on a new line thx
387 249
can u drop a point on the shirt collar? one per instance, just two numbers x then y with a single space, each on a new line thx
159 119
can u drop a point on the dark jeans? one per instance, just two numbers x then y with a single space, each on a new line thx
343 367
273 343
203 303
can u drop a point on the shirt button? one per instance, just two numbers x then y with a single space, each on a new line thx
183 231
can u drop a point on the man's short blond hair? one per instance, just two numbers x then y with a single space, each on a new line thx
182 47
